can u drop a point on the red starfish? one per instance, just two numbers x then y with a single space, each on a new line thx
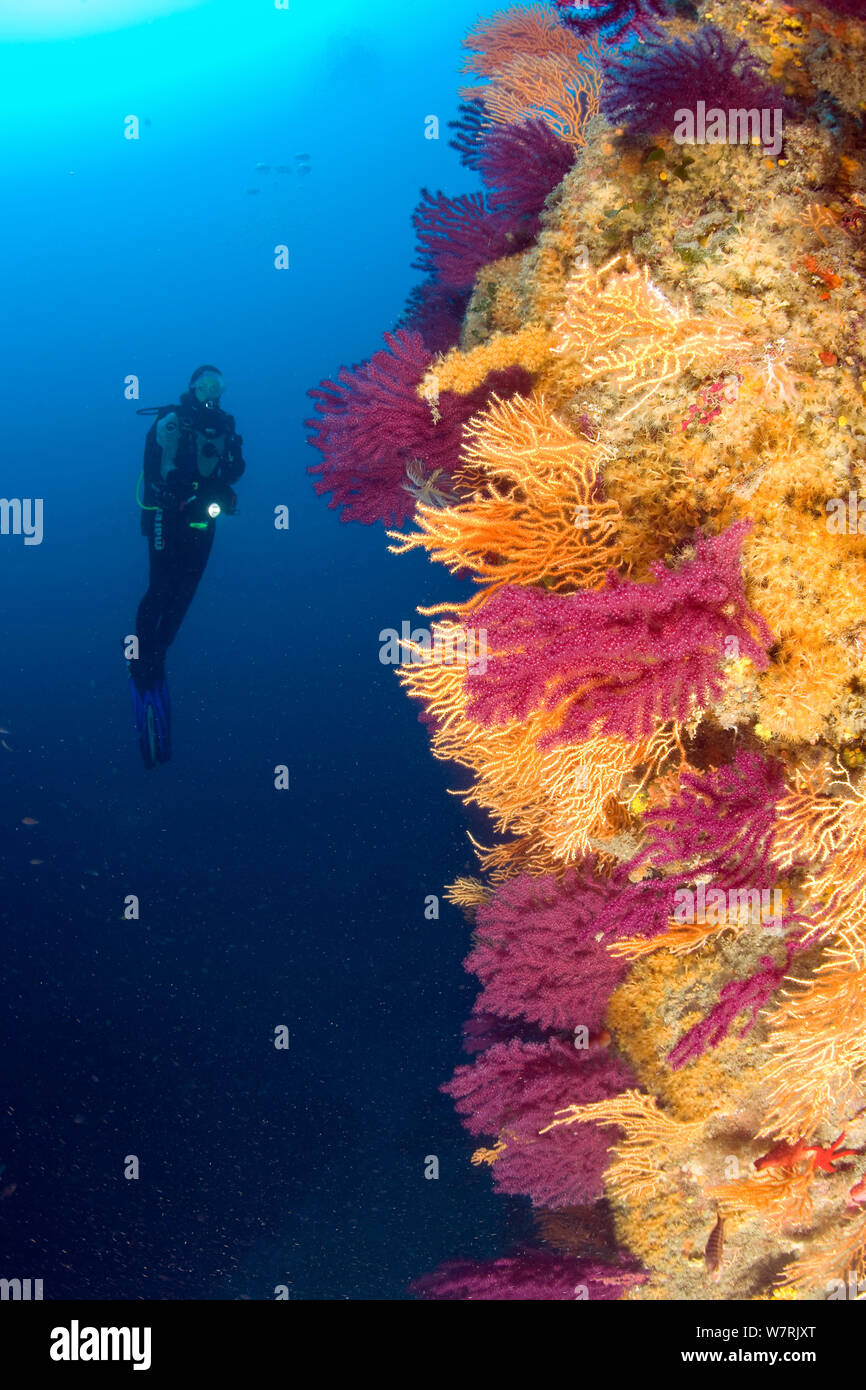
826 1157
787 1155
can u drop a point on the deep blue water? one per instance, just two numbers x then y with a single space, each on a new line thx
258 907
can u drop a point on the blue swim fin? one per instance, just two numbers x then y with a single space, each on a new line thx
152 709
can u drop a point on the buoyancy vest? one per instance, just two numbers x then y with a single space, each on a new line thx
198 447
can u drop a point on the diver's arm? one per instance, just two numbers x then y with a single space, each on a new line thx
234 463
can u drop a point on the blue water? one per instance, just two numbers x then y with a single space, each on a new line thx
154 1038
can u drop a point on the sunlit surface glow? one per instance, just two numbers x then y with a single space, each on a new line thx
63 19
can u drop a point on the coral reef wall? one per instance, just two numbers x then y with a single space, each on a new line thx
629 403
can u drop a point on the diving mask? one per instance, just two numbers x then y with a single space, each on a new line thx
208 388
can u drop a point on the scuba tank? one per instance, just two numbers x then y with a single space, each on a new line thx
193 446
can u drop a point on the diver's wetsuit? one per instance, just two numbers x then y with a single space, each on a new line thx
192 456
178 556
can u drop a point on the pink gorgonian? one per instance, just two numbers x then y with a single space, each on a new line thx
537 955
371 422
530 1275
513 1090
621 659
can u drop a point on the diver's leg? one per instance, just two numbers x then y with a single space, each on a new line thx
150 698
190 556
151 652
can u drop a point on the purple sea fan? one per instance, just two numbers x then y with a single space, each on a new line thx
851 9
620 659
638 909
512 1092
612 18
436 313
372 422
644 91
719 825
483 1030
470 128
457 236
529 1275
736 997
722 822
521 164
537 955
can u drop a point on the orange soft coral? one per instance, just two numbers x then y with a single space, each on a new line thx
535 69
556 801
495 42
535 517
553 89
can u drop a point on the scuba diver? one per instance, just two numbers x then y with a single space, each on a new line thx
192 456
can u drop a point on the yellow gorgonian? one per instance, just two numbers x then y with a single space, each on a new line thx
536 516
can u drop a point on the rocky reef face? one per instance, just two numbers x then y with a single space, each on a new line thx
665 518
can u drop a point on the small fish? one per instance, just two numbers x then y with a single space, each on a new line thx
302 156
251 191
28 820
263 168
714 1250
6 745
284 168
37 861
304 169
5 731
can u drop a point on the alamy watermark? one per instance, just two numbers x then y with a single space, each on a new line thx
738 126
846 517
459 646
21 1290
22 516
853 1287
77 1343
736 907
